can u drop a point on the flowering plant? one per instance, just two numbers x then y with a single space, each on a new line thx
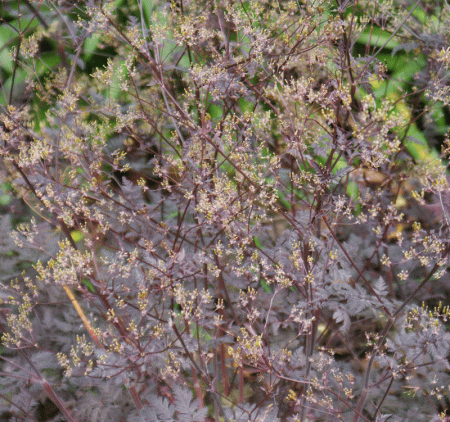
228 211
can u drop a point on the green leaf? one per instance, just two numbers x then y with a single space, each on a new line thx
90 45
88 284
265 286
353 190
258 244
376 37
215 111
76 235
6 34
5 200
204 335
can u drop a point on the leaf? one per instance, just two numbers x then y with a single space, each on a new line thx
163 409
378 38
146 414
407 46
340 315
382 418
186 408
380 287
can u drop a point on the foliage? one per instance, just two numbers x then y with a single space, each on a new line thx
225 211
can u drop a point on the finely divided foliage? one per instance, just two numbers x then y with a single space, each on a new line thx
224 210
